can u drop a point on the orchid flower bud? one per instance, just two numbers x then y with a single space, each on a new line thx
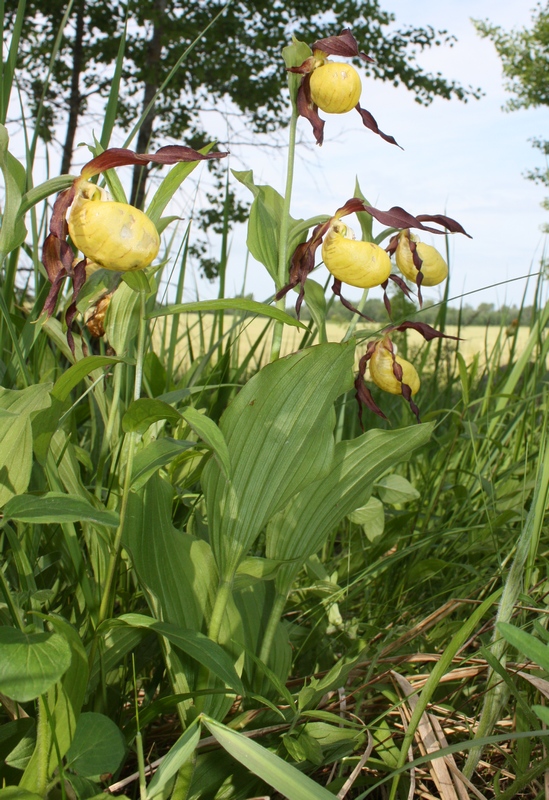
116 236
433 267
335 87
357 263
385 366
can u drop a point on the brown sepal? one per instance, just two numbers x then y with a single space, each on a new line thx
418 263
363 395
121 157
395 217
306 108
57 257
401 285
58 222
303 263
78 280
343 45
336 289
369 121
305 68
53 294
450 224
405 388
393 244
407 395
386 301
423 328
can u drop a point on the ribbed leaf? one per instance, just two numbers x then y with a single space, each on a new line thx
16 408
301 529
236 304
195 644
98 746
166 562
156 454
64 701
279 435
31 662
12 231
178 573
122 317
46 422
56 507
526 644
209 432
286 779
264 224
174 760
143 412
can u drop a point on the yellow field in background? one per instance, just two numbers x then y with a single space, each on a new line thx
196 333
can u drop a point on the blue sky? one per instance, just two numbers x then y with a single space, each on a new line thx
465 160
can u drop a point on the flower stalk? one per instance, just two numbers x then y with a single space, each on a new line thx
107 601
284 229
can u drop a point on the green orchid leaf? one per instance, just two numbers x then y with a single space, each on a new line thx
142 413
55 508
30 663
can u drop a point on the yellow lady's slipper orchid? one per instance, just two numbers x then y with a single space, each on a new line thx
382 369
332 87
357 263
116 236
110 234
434 268
335 87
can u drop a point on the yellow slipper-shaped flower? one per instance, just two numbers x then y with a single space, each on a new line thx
335 87
360 264
382 370
434 268
116 236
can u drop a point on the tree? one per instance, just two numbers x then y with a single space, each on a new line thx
235 60
524 56
238 58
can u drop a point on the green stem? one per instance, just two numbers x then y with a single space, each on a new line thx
284 228
141 766
107 601
106 444
274 618
220 605
356 317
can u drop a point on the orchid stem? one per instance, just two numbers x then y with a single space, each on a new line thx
352 325
284 228
107 601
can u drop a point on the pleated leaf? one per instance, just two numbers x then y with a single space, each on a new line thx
56 507
278 432
167 562
195 644
30 663
302 527
17 407
282 776
174 760
64 702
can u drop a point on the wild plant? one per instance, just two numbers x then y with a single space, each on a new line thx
156 521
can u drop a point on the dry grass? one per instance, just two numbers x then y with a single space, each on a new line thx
196 331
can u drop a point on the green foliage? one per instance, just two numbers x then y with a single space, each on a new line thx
524 57
186 524
253 86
